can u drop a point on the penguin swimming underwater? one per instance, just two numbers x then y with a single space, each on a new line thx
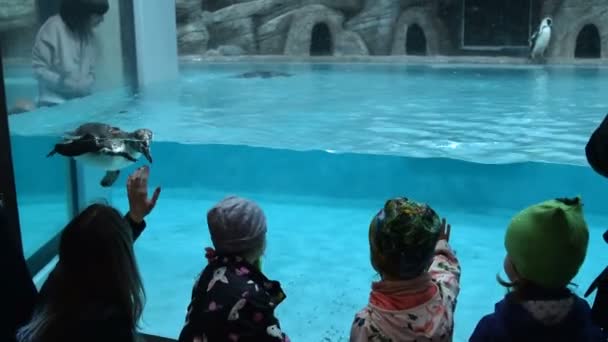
540 39
105 147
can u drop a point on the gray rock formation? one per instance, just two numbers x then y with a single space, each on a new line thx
348 7
230 50
244 10
375 24
234 25
569 20
426 18
273 27
187 10
192 34
239 32
192 38
273 33
349 43
215 5
17 14
302 22
357 27
264 26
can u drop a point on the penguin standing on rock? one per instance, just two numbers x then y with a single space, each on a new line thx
540 39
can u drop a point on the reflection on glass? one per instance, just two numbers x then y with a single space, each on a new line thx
64 54
72 51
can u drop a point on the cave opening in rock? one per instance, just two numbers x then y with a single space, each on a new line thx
415 42
320 41
588 43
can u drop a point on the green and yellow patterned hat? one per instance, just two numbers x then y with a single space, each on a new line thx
547 242
403 236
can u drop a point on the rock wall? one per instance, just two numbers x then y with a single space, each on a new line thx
569 18
375 24
358 27
17 14
18 25
285 27
425 17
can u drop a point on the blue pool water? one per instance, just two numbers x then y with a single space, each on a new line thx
479 113
321 151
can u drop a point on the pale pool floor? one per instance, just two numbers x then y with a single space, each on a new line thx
317 248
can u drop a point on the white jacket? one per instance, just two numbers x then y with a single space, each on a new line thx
60 53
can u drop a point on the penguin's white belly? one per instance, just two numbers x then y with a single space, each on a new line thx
542 42
106 162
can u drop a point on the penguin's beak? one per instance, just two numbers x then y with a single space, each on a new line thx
146 153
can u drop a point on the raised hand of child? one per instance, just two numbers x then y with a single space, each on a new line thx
140 205
446 230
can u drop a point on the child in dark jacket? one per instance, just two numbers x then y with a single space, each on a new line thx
233 300
546 245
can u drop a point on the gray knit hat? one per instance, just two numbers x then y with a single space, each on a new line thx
236 225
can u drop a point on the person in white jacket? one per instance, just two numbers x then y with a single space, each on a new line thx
63 57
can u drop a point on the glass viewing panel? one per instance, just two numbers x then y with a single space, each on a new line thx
34 37
320 112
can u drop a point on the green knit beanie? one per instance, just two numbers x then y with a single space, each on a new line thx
547 242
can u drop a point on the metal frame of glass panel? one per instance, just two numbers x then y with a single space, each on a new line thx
8 193
463 46
127 39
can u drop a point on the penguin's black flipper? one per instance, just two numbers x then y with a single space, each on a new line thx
109 178
532 40
76 147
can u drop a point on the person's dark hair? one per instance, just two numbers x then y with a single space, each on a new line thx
96 276
76 14
522 290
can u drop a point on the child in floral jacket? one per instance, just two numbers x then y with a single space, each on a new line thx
416 297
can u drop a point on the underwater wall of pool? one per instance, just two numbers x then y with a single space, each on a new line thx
319 205
281 172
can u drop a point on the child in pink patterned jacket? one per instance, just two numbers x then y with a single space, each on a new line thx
420 277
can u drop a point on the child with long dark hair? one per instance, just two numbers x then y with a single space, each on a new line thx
64 53
95 292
